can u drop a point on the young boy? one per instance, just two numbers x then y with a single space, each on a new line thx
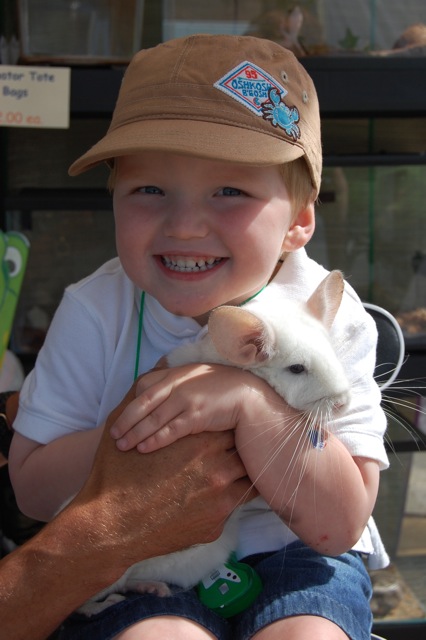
215 154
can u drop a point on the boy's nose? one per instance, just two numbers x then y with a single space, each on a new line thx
187 221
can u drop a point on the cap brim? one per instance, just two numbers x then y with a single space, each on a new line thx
214 141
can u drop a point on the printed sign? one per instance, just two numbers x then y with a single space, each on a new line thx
35 97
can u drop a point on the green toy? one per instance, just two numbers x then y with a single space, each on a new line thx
14 248
230 589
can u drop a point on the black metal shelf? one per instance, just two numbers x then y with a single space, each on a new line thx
369 86
94 91
347 87
27 200
375 159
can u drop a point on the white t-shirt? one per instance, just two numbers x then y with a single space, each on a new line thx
87 364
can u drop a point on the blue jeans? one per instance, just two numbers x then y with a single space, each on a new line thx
296 579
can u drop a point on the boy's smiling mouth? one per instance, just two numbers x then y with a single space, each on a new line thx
189 264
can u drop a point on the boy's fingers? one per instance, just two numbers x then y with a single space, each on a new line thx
141 408
168 434
139 432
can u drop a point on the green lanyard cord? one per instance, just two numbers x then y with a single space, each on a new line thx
140 327
253 296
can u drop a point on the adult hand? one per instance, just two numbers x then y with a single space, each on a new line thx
193 485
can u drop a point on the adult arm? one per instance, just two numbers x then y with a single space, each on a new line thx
184 494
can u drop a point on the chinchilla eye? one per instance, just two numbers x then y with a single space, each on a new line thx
296 368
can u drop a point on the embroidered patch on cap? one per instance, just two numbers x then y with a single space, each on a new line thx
258 91
250 85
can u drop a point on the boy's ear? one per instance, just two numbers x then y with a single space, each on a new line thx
301 229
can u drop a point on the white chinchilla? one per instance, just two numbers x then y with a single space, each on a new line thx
287 345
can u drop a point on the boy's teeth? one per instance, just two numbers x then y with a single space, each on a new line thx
181 263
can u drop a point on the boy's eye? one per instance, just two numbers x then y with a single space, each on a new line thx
151 190
231 191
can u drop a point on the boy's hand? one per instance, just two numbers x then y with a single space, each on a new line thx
173 403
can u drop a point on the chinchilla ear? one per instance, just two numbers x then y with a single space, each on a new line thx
325 300
239 336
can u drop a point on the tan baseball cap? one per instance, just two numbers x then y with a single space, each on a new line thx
232 98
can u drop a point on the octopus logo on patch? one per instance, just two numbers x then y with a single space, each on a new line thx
250 85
